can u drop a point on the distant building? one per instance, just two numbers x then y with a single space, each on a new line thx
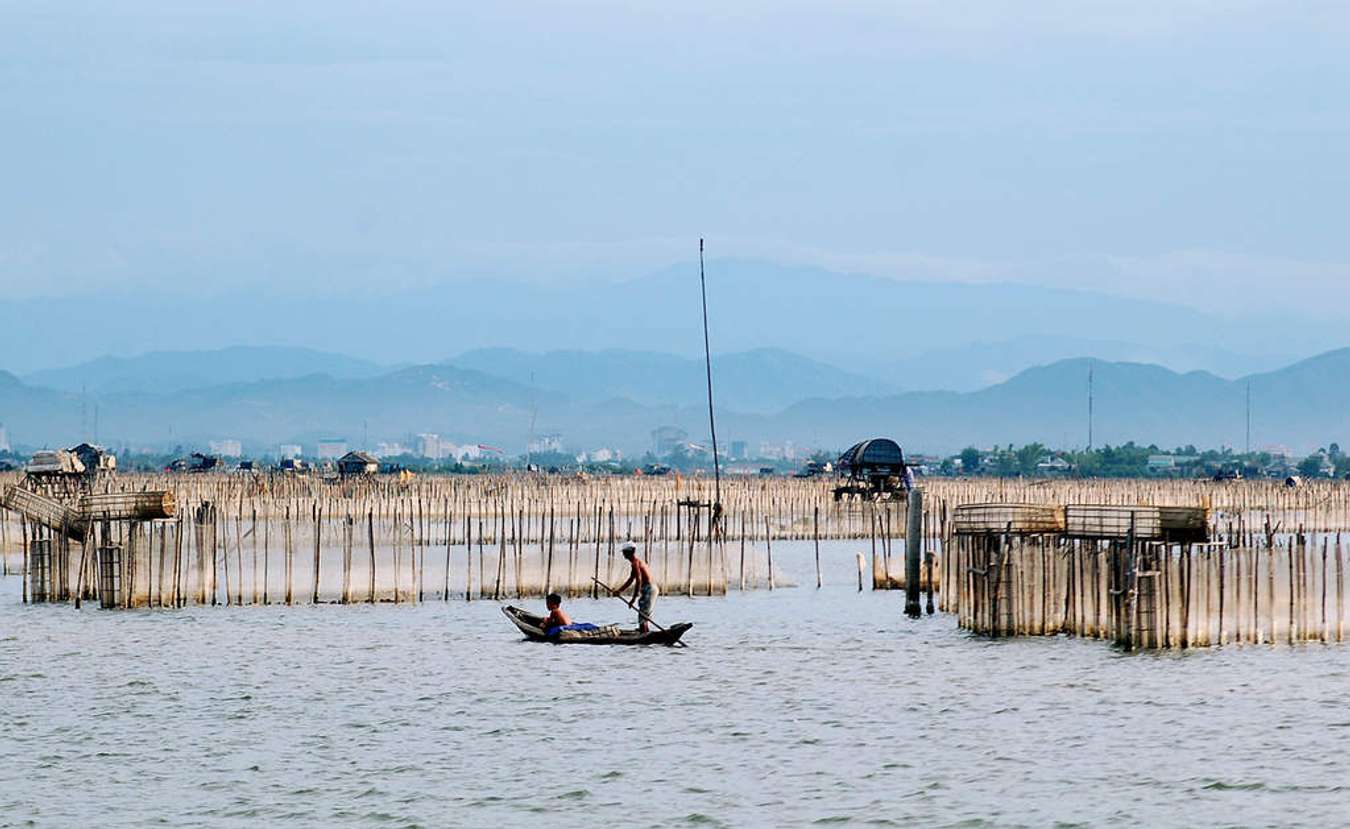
740 450
293 465
545 444
357 463
196 463
1053 465
785 451
467 452
390 450
697 450
228 448
1325 468
429 446
666 438
1170 463
4 440
332 449
289 451
1280 452
602 455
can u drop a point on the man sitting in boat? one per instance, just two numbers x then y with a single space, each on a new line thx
557 619
644 590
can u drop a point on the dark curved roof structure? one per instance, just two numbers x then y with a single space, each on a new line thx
878 456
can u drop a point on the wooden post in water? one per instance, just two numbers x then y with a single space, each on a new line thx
768 549
347 533
815 536
1340 593
548 564
398 553
267 555
177 582
288 541
222 544
572 542
370 544
742 552
318 540
449 537
928 570
913 552
693 546
24 528
253 531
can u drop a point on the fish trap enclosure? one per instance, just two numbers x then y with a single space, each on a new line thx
1117 574
1018 518
1179 524
286 538
1151 595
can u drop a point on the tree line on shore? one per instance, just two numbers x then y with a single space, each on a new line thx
1128 460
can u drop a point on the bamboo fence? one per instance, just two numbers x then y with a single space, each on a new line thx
269 539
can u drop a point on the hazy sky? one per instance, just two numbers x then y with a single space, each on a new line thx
1185 149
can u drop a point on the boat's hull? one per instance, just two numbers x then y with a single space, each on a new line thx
529 625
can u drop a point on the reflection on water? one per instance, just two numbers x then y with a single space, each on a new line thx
797 706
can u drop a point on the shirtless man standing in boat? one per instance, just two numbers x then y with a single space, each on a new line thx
644 590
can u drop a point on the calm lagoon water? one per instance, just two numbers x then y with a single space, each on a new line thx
795 707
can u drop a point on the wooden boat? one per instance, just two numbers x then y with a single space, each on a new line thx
529 625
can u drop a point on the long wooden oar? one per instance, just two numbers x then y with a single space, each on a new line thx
629 602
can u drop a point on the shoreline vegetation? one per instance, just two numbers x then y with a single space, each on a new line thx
1033 460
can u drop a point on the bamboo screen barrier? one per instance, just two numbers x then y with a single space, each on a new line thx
1150 594
272 539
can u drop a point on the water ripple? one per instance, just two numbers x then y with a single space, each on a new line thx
792 708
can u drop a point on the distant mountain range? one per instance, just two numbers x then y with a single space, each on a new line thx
615 398
163 372
761 381
976 365
1303 405
908 335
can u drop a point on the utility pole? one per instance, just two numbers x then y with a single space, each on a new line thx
534 414
1249 417
1089 407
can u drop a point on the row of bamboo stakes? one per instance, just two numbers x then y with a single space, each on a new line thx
284 539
